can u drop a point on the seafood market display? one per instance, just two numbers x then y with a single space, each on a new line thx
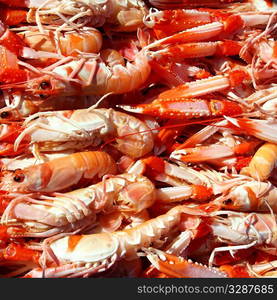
138 138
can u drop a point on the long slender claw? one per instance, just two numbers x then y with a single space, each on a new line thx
196 34
186 108
178 267
205 86
200 136
197 50
171 4
171 21
198 88
70 270
204 153
171 109
174 194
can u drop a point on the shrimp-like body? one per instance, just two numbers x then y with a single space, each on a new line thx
87 76
44 215
59 174
67 43
28 160
80 255
123 15
78 129
15 107
168 4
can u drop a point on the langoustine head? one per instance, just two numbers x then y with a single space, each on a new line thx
22 181
39 87
46 86
37 178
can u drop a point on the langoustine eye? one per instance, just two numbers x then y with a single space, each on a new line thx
4 114
19 177
228 201
45 85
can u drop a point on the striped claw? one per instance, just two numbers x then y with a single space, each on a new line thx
197 50
193 25
214 152
192 35
205 86
168 22
171 4
171 21
177 267
186 108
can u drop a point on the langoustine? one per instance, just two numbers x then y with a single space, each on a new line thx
127 195
90 75
79 129
44 215
46 177
118 245
88 12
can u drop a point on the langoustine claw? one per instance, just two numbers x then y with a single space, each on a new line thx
178 267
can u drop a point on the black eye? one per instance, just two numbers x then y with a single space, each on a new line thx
42 96
45 85
19 177
5 114
228 201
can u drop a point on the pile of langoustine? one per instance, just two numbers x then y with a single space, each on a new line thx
138 138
